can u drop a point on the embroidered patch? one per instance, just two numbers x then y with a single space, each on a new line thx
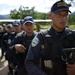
35 41
9 41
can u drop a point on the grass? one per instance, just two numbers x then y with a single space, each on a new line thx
72 27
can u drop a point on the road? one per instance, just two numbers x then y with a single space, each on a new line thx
3 66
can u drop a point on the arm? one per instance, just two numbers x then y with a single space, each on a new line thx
4 42
12 45
16 47
71 69
12 51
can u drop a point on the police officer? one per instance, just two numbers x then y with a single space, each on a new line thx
5 43
12 59
5 37
4 30
1 34
16 29
47 45
20 44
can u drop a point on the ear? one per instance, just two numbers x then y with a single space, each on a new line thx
50 16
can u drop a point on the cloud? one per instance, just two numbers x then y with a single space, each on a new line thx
40 5
5 8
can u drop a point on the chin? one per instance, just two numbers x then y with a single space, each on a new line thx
62 27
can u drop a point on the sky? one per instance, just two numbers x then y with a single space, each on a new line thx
40 5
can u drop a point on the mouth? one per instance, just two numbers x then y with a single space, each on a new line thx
63 23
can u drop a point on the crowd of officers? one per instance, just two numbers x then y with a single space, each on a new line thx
15 42
31 53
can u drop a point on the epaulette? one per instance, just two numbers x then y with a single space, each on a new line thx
69 31
44 32
21 33
45 43
12 32
5 34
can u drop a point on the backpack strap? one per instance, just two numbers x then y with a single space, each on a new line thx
21 36
46 43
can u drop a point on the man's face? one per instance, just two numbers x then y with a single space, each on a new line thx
59 19
9 29
16 28
29 27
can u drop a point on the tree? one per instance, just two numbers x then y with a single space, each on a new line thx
71 19
15 14
25 11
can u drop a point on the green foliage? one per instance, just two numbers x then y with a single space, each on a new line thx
25 11
14 14
72 27
71 19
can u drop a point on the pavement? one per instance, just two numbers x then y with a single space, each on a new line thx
3 66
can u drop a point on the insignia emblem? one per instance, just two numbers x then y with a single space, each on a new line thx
9 41
42 46
61 4
35 41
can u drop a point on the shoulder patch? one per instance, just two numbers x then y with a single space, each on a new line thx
35 41
9 41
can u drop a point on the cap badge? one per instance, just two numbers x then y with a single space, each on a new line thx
61 4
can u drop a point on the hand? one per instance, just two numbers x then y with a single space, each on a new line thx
12 65
20 48
71 69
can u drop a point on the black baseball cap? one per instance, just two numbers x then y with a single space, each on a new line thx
59 6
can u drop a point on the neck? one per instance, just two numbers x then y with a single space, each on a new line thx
58 29
18 31
29 34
